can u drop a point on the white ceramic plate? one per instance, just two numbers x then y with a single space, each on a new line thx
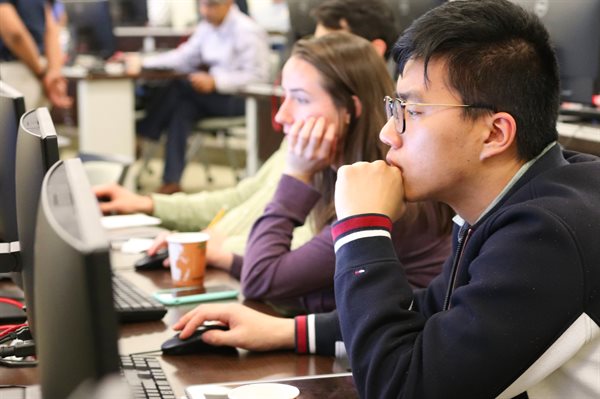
264 391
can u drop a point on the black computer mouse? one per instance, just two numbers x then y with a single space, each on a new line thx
152 262
195 344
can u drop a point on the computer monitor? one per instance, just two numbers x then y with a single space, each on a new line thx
91 28
574 28
12 107
37 151
75 317
129 12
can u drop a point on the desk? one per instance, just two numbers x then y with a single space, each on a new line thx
105 108
183 371
580 137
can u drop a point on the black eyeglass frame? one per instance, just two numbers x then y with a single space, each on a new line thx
393 110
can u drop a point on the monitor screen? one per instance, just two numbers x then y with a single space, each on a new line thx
75 317
12 107
129 12
90 27
37 151
574 28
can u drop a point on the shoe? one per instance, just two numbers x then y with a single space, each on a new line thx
169 188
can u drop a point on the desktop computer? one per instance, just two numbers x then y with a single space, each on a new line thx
76 322
12 107
37 151
574 29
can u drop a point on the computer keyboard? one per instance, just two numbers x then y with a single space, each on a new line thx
145 377
134 305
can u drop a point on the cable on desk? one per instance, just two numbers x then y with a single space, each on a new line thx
11 301
20 349
20 331
10 328
18 363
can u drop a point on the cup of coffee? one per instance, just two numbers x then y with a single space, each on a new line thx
187 255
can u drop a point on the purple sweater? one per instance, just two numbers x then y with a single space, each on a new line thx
302 279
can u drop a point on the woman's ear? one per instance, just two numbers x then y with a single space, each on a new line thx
357 106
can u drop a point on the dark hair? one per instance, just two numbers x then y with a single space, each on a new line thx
497 54
371 19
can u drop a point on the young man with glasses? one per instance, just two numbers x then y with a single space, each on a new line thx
473 126
516 311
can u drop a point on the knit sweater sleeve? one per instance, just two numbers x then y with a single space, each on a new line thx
190 212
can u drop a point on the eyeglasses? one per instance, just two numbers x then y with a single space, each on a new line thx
394 107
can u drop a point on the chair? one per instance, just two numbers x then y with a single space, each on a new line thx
223 128
102 169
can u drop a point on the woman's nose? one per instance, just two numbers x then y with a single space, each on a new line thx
283 115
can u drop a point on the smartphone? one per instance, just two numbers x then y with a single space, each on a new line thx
179 296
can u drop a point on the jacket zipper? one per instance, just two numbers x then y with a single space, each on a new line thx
463 237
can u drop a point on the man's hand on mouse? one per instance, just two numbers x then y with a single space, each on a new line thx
248 328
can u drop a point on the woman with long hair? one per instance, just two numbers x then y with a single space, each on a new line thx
333 110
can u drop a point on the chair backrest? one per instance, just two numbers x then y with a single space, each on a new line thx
102 169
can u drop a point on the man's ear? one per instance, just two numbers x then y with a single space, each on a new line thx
379 45
501 135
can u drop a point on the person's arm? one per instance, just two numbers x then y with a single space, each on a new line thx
185 58
319 334
189 212
507 308
271 269
248 328
19 41
54 55
249 63
117 199
54 83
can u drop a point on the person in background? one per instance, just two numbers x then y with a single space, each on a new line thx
474 126
246 201
30 55
227 51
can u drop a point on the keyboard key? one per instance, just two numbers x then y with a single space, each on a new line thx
146 377
134 305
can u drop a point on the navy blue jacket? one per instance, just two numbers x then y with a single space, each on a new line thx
516 310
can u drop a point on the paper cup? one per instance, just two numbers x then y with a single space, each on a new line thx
187 255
